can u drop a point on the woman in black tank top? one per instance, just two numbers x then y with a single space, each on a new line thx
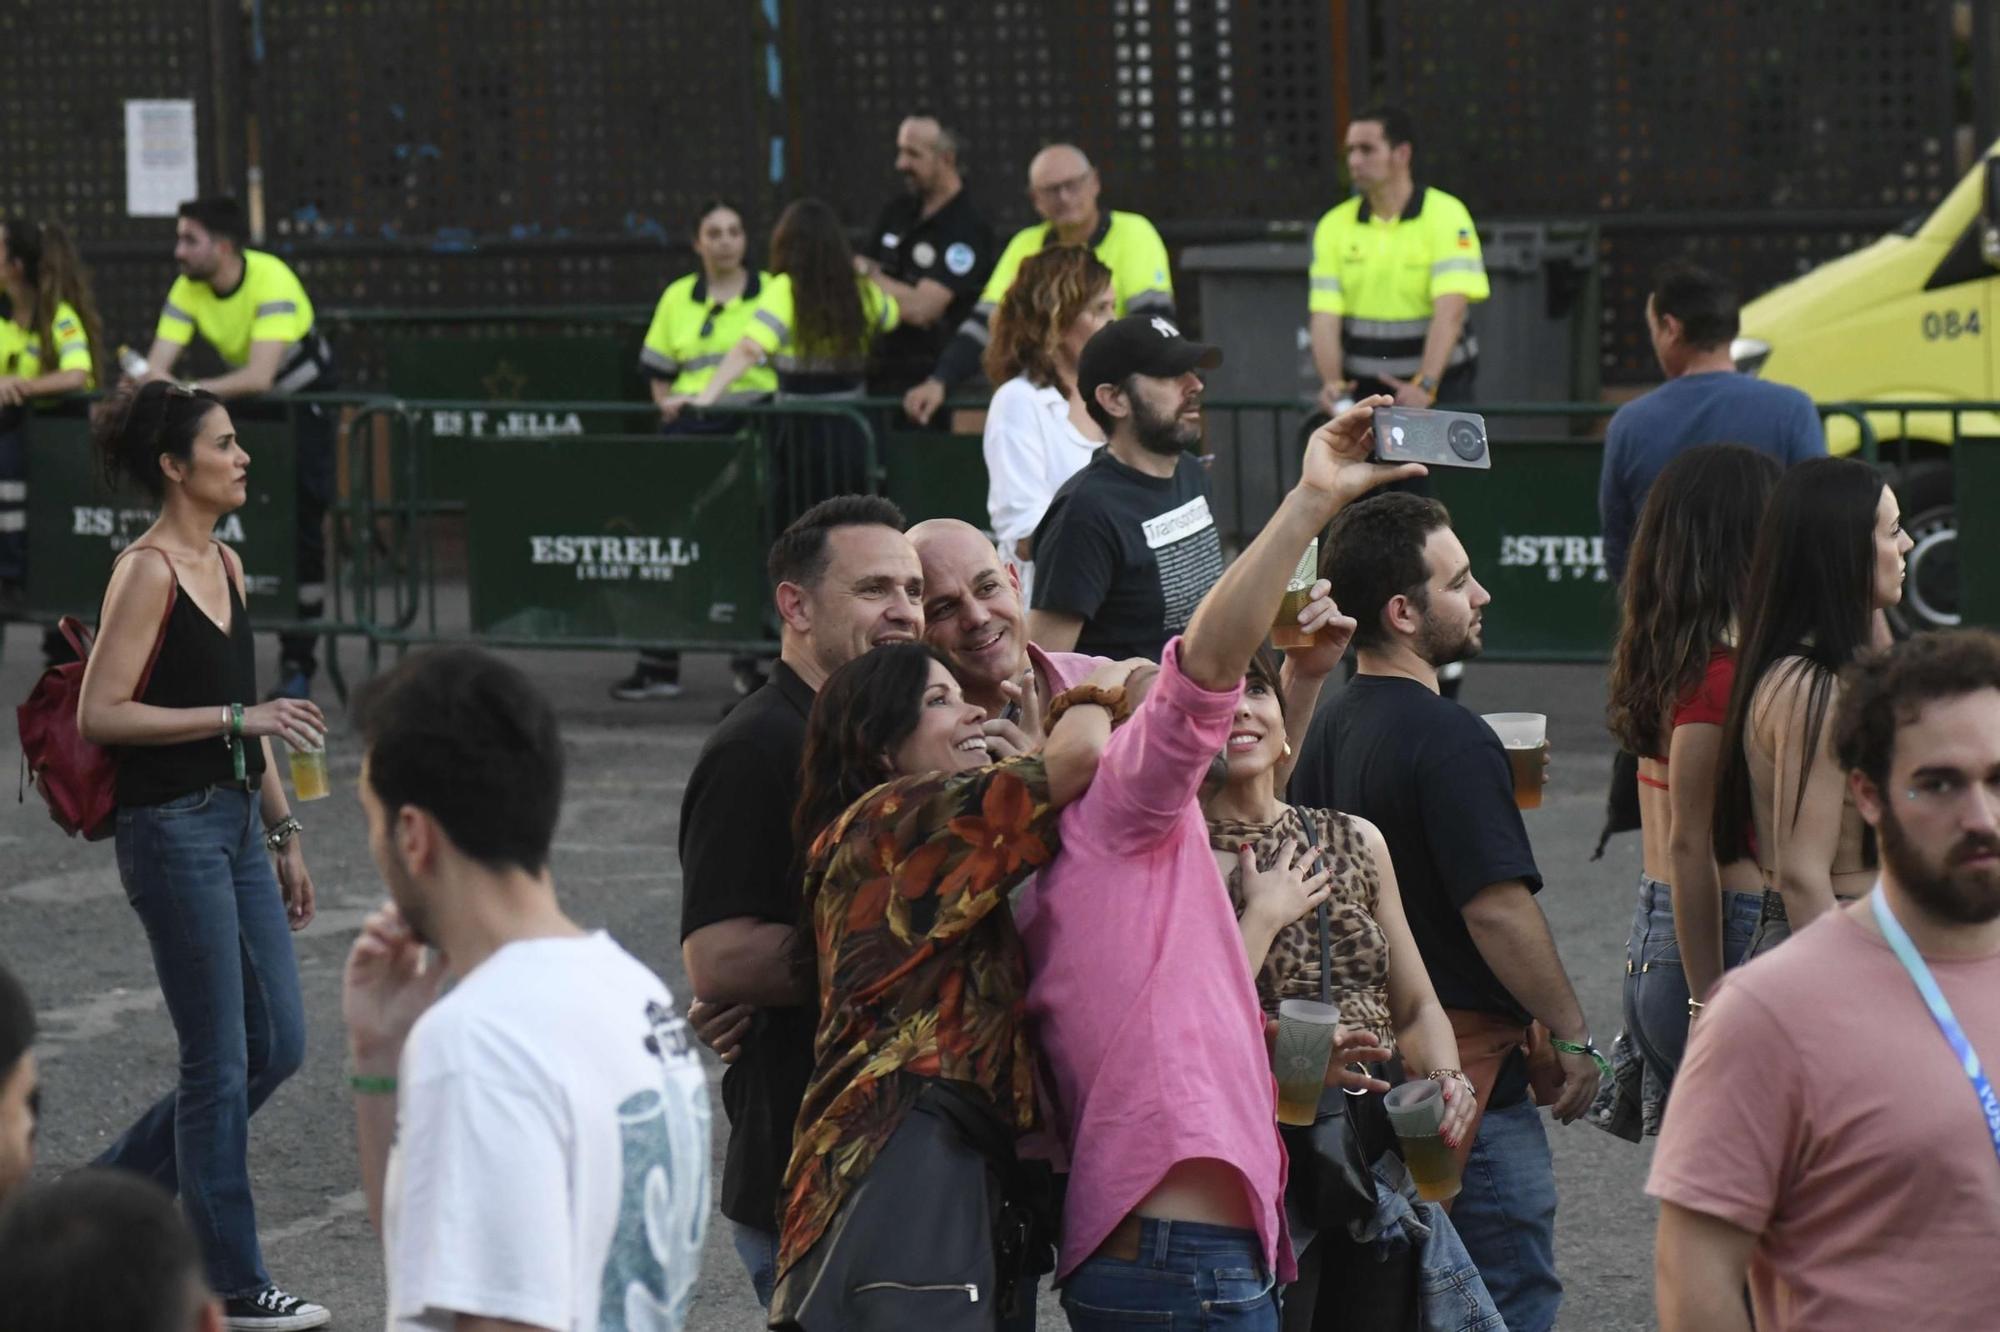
200 815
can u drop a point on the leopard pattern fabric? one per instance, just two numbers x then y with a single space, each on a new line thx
1358 950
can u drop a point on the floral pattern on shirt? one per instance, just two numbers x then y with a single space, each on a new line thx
921 974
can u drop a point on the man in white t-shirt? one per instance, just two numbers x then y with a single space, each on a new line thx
535 1143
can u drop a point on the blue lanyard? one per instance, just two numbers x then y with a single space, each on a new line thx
1927 986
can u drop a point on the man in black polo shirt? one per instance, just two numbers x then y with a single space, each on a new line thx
847 579
1128 547
1434 778
930 250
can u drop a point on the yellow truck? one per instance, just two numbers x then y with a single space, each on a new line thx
1907 320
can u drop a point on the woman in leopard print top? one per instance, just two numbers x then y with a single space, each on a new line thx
1378 980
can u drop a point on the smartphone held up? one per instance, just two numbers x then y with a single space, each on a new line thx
1434 438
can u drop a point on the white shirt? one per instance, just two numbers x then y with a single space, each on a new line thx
552 1148
1031 448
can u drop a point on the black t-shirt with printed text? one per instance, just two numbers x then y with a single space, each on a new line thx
1132 554
736 860
953 246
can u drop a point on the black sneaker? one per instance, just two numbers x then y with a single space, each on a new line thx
643 684
271 1310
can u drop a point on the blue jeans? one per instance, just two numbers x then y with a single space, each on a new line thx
759 1251
196 871
1187 1276
1656 988
1506 1214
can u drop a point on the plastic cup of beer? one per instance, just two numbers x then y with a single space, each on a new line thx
1285 632
309 780
1300 1056
1416 1112
1526 736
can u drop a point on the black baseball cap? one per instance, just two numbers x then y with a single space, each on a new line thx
1139 345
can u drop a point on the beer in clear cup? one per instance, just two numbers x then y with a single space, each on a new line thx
1285 631
1526 737
1416 1112
1300 1056
309 781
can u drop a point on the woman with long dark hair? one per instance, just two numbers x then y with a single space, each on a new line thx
1829 561
904 1155
816 321
1671 672
1038 434
50 343
201 815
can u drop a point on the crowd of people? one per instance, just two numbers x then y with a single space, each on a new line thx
1001 883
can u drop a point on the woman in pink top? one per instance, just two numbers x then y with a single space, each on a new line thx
1139 985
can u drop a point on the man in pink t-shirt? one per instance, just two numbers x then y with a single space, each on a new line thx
1823 1136
1139 988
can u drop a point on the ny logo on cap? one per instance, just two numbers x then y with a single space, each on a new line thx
1165 329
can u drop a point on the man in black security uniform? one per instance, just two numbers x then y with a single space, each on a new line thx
930 250
1128 547
846 580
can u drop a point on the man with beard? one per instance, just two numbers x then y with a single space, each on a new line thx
1128 547
930 249
534 1144
1434 778
1833 1132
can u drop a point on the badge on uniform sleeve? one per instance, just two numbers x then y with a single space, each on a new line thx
959 259
924 254
1464 239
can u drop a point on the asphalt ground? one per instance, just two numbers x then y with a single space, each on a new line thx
107 1048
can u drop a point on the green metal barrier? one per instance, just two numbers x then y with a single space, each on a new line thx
77 524
609 536
582 526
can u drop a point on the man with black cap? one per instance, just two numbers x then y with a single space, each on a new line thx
1128 547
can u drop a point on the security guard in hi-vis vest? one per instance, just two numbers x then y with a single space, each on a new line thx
250 307
1063 186
1394 271
700 316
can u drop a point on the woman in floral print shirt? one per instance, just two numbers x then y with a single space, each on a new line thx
917 841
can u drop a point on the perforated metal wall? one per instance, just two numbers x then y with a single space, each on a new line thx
1210 109
400 142
1575 107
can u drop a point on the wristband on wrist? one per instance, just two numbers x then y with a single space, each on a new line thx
1113 701
365 1084
1587 1047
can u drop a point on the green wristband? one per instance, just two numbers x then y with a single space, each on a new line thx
236 719
1587 1048
368 1085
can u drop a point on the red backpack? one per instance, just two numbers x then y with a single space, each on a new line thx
78 779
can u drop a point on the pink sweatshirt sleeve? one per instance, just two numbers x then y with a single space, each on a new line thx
1153 765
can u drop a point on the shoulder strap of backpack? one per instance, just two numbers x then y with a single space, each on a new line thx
159 638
